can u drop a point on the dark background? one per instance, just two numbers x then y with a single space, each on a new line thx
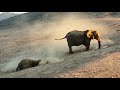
60 5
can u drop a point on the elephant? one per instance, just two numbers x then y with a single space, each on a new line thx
27 63
76 38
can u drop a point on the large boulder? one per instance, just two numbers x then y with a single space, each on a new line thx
27 63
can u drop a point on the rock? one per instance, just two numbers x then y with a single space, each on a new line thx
117 30
27 63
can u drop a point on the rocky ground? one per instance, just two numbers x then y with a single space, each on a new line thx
95 63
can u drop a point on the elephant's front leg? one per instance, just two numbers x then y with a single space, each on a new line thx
87 45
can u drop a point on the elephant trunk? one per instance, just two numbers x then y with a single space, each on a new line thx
99 43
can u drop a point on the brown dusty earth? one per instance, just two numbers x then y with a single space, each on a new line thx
106 67
95 63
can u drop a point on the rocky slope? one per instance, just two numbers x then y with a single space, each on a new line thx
6 15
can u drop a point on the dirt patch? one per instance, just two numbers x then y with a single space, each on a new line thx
107 67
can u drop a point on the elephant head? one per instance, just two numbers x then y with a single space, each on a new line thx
92 34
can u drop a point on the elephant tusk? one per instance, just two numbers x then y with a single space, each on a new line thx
93 37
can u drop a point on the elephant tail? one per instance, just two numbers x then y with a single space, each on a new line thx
61 38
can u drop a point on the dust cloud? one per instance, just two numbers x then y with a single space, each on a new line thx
37 41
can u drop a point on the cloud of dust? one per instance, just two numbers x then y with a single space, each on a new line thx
65 24
41 37
10 66
78 21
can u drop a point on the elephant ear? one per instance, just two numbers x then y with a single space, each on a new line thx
98 35
90 34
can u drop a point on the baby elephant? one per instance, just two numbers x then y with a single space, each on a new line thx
27 63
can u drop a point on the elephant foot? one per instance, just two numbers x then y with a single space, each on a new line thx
70 52
87 50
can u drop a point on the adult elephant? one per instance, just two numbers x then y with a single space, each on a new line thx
76 38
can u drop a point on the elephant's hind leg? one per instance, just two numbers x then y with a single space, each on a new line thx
70 49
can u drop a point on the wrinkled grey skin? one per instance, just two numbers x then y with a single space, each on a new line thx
76 38
27 63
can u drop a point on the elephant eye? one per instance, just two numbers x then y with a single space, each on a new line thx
93 33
